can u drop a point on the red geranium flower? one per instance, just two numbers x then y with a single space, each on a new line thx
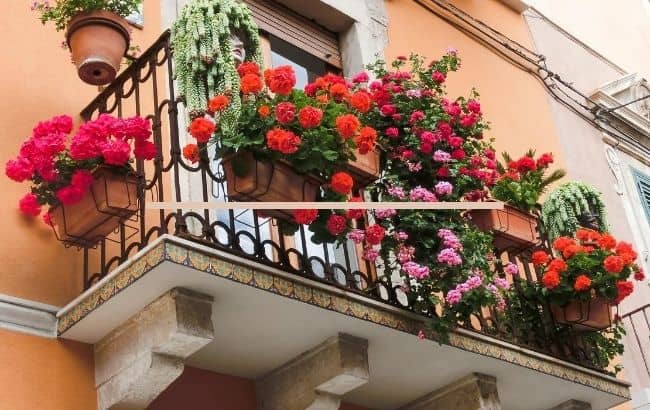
218 103
342 183
310 117
545 160
251 84
281 140
360 101
375 234
366 140
202 129
562 242
571 250
582 283
624 288
29 205
626 252
438 77
248 67
280 80
339 92
525 164
558 265
191 153
639 275
613 264
285 112
607 241
336 224
305 216
551 279
347 125
587 235
540 258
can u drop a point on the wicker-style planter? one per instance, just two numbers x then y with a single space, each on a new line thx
591 315
365 169
97 40
512 228
112 199
248 179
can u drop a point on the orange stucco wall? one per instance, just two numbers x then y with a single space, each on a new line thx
39 373
205 390
512 100
38 81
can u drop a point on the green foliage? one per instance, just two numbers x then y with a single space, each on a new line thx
203 58
63 10
564 206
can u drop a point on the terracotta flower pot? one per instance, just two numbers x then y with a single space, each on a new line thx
365 169
112 199
248 179
97 40
595 314
512 228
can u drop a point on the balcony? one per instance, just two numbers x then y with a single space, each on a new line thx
276 296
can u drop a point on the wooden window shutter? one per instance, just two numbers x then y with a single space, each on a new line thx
643 185
293 28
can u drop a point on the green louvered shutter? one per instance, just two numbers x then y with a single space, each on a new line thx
643 185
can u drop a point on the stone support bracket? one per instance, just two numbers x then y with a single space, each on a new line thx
139 359
316 379
474 392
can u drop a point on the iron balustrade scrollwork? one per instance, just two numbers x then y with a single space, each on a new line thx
146 88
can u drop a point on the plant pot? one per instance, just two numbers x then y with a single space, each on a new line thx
512 227
112 199
591 315
97 40
248 179
365 169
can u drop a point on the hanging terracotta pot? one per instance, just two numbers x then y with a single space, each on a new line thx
591 315
365 169
512 227
97 40
112 199
248 179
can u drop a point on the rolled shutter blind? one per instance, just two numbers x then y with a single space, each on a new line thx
293 28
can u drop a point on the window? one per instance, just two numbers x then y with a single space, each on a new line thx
642 182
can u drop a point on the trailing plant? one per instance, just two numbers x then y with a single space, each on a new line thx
593 264
63 174
522 182
316 133
567 205
63 10
203 53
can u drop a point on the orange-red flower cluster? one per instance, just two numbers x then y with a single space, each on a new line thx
305 216
342 183
613 263
280 80
366 140
191 153
281 140
250 78
218 103
202 129
347 125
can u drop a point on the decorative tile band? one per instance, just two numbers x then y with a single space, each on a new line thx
203 261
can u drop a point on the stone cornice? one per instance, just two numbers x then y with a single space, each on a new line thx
22 315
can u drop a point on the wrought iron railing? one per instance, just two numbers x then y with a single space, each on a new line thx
637 325
146 88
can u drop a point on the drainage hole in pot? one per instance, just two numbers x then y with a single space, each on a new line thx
97 73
